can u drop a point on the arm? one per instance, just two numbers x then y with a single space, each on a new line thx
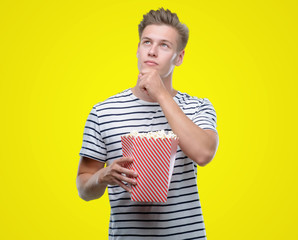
93 177
200 145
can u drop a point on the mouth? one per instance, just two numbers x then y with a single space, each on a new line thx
151 63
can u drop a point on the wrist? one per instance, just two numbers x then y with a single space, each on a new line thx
100 177
163 97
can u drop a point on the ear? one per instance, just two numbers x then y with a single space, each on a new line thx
180 57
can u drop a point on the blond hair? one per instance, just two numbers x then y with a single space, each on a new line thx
165 17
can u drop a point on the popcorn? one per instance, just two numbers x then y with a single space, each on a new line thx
159 134
154 156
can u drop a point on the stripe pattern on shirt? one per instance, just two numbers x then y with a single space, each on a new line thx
181 216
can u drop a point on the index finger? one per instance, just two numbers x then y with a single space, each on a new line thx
128 172
124 159
125 170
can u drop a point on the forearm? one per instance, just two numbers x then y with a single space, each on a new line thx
193 140
90 186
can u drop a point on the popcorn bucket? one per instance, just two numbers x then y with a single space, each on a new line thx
154 159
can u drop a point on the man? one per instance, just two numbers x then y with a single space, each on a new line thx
151 105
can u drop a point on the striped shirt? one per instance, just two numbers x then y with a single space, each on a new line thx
181 216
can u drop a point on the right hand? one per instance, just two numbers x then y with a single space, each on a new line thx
112 174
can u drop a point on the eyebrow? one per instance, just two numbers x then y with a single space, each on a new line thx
162 40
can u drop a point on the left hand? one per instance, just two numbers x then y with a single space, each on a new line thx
151 84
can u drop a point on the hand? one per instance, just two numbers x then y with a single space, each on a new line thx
113 174
151 84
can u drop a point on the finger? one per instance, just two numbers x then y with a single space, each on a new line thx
120 169
126 179
124 159
127 172
121 184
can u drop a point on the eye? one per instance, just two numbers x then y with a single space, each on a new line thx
146 42
163 44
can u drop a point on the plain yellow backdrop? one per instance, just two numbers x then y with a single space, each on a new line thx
59 58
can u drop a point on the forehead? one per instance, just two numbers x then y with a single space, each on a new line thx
161 32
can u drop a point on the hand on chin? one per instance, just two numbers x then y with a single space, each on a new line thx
148 84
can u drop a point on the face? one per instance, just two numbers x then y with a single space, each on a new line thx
158 49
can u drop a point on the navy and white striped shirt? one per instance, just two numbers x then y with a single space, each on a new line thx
181 216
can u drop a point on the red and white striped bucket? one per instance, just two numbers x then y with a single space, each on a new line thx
154 162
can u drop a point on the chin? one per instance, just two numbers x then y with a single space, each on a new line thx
144 67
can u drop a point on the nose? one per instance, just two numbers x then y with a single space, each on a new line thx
153 51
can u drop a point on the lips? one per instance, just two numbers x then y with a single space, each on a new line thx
151 63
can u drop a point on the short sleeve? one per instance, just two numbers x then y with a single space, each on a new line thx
93 145
205 115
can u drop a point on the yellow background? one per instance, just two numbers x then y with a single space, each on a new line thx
59 58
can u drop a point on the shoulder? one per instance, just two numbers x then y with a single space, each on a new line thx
184 98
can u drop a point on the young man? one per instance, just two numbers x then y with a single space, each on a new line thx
151 105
